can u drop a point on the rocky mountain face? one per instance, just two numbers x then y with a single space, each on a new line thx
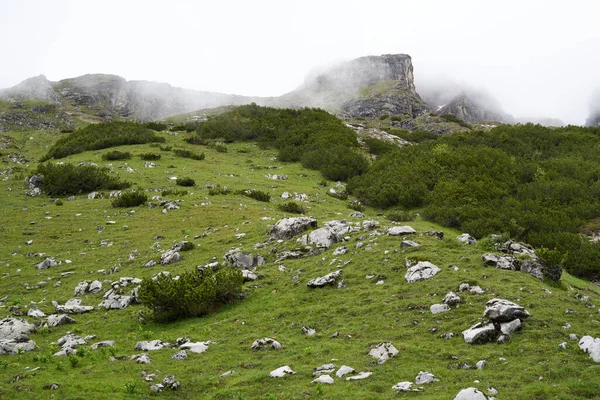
470 110
103 98
369 86
593 119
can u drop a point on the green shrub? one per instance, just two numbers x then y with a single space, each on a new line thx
379 147
101 136
59 202
116 155
69 179
166 148
292 207
185 182
155 126
130 199
197 140
194 294
455 119
257 195
401 216
356 206
189 154
150 156
177 128
218 190
221 148
384 116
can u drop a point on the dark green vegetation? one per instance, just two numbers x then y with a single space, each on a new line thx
539 185
194 294
292 207
185 182
189 154
453 118
150 156
101 136
130 199
68 179
116 155
257 195
314 137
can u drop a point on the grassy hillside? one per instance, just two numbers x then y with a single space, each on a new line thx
279 304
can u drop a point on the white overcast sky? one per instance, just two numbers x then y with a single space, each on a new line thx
538 58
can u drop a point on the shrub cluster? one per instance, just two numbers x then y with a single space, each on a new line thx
101 136
156 126
116 155
221 148
292 207
256 195
69 179
150 156
185 182
539 185
314 137
194 294
189 154
130 199
401 216
455 119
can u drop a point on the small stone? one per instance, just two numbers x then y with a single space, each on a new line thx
344 370
481 364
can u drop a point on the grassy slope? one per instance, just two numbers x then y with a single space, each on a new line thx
534 367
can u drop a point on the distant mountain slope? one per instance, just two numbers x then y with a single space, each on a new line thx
469 109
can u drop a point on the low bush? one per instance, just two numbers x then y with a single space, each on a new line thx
156 126
356 206
69 179
189 154
455 119
194 294
197 140
150 156
257 195
101 136
292 207
218 190
130 199
401 216
185 182
116 155
221 148
166 148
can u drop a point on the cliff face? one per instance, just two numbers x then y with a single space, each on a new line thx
365 87
469 110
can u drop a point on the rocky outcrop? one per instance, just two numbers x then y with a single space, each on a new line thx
287 228
470 110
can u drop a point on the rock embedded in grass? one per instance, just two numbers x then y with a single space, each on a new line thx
266 343
401 230
591 346
425 377
327 280
281 372
439 308
421 271
287 228
324 379
383 352
466 239
344 370
470 394
501 310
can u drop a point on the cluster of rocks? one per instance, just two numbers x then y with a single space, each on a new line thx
504 317
47 263
33 184
329 234
297 196
421 271
73 306
122 293
327 280
87 287
521 257
13 336
451 299
421 379
244 261
266 343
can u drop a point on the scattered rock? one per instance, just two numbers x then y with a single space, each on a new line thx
341 251
323 369
287 228
401 230
481 364
451 299
249 276
470 394
359 376
59 319
266 343
480 333
72 306
405 387
35 313
236 258
466 239
425 377
408 243
591 346
439 308
281 372
150 345
47 263
437 234
370 225
500 310
308 331
421 271
382 352
324 379
195 347
508 328
329 279
105 343
344 370
500 262
180 355
169 257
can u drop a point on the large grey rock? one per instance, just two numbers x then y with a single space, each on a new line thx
344 370
35 313
170 383
236 258
95 287
421 271
403 387
195 347
150 345
16 345
81 288
500 262
69 343
323 237
370 225
281 372
591 346
117 302
47 263
480 333
287 228
512 247
105 343
59 319
383 352
470 394
265 343
439 308
169 257
323 379
500 310
328 279
509 327
12 328
425 377
401 230
141 358
466 239
359 376
451 299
